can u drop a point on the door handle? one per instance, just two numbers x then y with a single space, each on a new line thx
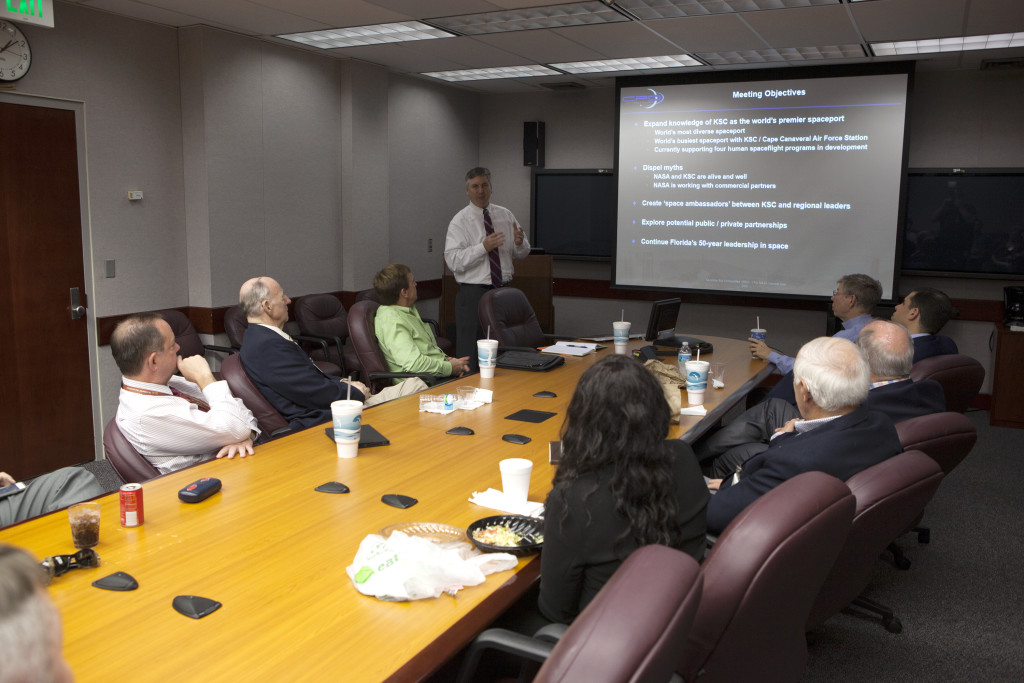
77 309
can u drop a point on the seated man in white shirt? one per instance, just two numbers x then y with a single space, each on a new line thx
174 421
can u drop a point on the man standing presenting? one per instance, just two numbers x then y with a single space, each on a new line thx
836 435
174 421
924 312
482 240
407 342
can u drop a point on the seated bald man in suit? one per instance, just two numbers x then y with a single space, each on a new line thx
835 433
888 350
924 312
283 372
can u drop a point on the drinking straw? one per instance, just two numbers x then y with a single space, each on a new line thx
698 354
348 396
488 332
758 322
623 318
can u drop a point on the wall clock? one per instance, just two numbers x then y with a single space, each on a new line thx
15 53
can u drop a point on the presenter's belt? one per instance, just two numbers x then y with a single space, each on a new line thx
470 285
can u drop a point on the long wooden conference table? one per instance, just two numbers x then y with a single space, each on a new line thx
274 551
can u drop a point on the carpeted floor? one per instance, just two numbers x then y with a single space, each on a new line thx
962 600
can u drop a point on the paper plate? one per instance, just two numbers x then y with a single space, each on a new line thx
439 533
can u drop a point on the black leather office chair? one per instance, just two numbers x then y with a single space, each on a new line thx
272 423
236 323
890 496
507 313
372 364
629 633
960 376
760 580
128 463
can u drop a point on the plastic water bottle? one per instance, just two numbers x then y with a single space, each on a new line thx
684 355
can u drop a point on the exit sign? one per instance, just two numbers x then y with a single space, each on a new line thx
38 12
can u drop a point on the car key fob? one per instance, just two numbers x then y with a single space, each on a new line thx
199 490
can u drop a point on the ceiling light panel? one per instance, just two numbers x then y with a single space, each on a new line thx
551 16
959 44
632 64
495 72
368 35
785 54
671 9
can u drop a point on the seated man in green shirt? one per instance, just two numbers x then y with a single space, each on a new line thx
407 342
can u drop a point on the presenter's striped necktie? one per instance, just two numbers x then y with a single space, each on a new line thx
492 255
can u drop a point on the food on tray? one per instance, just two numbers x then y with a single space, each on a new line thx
500 535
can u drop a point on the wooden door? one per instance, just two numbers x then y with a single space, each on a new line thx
45 392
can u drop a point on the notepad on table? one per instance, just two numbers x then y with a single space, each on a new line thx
570 348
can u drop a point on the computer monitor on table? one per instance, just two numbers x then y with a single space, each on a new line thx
662 322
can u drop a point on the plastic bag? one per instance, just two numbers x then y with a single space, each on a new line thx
672 382
403 567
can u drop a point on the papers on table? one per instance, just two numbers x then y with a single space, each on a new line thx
570 348
494 499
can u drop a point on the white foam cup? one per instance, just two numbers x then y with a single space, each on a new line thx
348 418
487 356
515 479
620 330
696 381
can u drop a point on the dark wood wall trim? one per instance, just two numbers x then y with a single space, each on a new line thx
211 320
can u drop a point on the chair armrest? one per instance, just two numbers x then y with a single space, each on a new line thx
551 633
313 340
324 339
434 326
222 349
425 376
503 641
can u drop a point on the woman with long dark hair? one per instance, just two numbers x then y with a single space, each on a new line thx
619 486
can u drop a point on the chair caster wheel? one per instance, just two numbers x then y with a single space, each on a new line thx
901 562
893 625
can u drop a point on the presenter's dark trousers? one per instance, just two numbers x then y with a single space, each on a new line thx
467 321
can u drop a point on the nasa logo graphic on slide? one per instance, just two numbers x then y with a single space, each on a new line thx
645 101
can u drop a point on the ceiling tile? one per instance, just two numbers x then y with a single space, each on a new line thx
334 13
618 40
804 27
708 34
540 47
886 20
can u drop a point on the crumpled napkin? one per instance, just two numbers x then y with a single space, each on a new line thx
492 498
694 410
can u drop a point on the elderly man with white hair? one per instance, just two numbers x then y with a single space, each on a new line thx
834 435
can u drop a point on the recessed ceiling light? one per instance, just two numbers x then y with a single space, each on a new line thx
628 64
958 44
785 54
669 9
494 72
368 35
551 16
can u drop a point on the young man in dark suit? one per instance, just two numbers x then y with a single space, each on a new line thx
835 433
924 312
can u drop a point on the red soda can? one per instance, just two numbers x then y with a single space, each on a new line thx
131 505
